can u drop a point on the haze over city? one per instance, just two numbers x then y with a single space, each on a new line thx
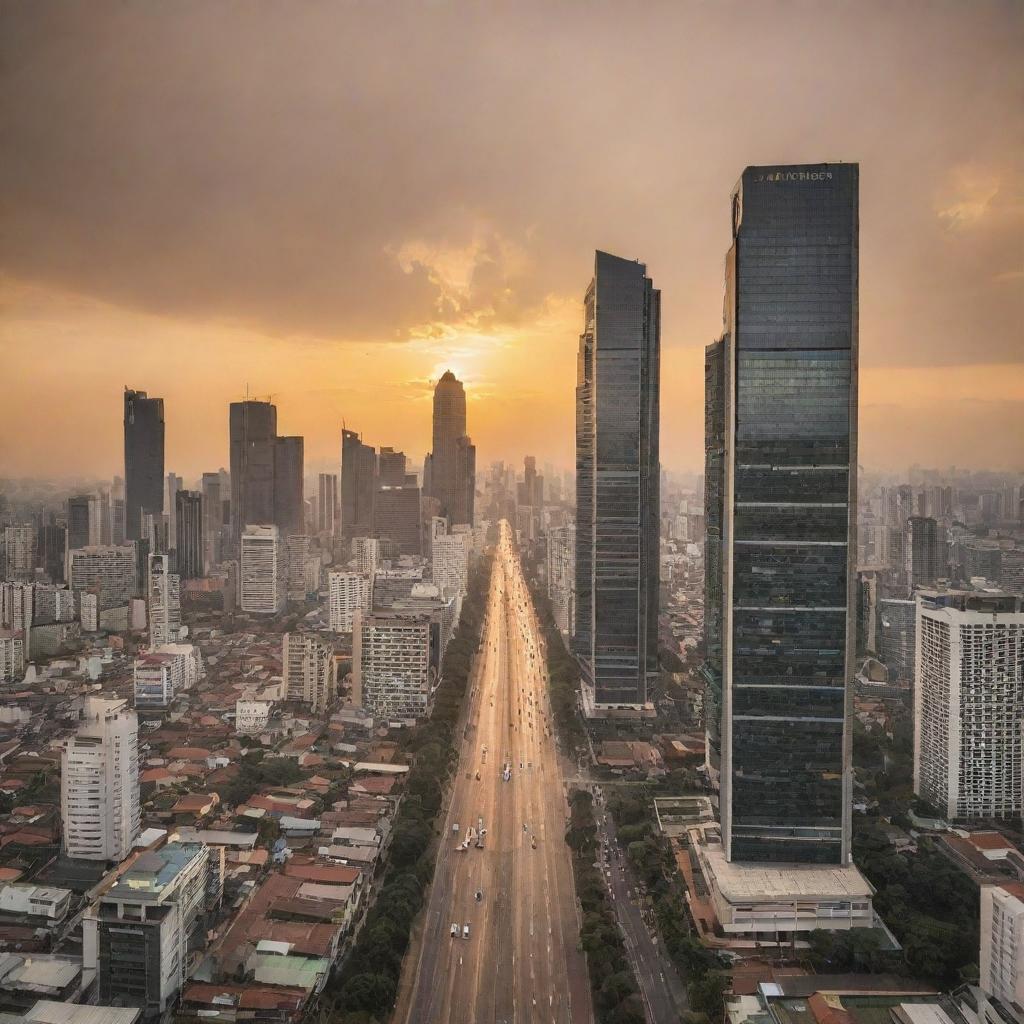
338 217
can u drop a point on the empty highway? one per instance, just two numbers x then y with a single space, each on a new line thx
519 963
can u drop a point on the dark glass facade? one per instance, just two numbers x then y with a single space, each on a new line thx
450 475
780 451
143 459
188 508
289 464
358 485
617 463
253 434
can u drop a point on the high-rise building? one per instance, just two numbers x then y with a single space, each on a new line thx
51 544
1001 960
12 655
561 574
396 517
309 674
262 571
213 521
111 572
188 520
99 782
366 553
163 672
164 599
452 459
358 485
139 936
449 562
921 551
289 514
391 675
390 468
617 504
328 508
346 593
78 522
969 703
143 459
780 516
303 567
172 484
253 440
20 545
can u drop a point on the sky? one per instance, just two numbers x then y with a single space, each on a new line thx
333 202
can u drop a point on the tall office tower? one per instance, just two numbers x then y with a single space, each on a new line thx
139 935
99 782
896 626
50 546
289 510
143 459
561 575
118 526
303 567
172 484
452 459
366 552
20 544
262 571
253 432
780 481
617 511
17 606
346 593
309 675
99 518
78 521
328 508
969 703
921 552
391 654
396 517
164 600
390 468
449 562
213 512
188 518
358 485
12 655
110 571
898 508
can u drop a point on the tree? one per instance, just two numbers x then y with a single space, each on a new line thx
707 994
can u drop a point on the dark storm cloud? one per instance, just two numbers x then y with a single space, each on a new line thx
358 170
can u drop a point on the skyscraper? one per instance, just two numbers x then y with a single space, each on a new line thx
143 459
358 485
781 523
328 509
396 517
188 517
164 602
213 522
617 514
391 468
253 435
78 522
452 459
288 495
309 674
921 552
263 570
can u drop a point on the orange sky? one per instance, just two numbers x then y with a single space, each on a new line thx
333 206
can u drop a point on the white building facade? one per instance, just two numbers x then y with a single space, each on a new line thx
391 664
347 592
1001 973
309 675
164 672
164 602
109 569
561 566
449 558
262 571
12 655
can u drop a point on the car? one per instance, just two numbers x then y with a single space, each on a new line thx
455 827
465 930
455 930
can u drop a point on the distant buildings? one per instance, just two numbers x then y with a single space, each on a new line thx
19 544
309 675
262 571
347 593
110 572
451 465
143 461
358 485
969 704
12 655
99 784
561 575
366 552
397 517
391 664
164 602
188 525
923 562
391 468
617 486
213 520
328 505
780 486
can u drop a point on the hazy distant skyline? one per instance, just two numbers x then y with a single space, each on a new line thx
333 203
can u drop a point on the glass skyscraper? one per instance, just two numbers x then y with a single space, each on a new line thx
617 485
780 494
143 459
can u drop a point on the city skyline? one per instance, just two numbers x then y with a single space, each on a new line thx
345 286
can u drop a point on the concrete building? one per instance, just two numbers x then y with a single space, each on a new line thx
163 672
780 515
143 460
36 901
309 674
922 552
1001 974
366 552
164 602
252 716
110 572
969 703
449 562
451 465
561 576
213 520
188 526
139 935
99 783
391 664
347 592
617 487
396 517
262 571
303 568
12 655
19 543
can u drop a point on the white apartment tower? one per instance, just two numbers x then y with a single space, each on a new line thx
262 573
20 545
1001 974
309 675
969 703
562 575
164 602
391 664
347 592
366 552
108 569
449 559
99 782
12 655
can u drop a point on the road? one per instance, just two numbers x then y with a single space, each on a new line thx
665 998
519 963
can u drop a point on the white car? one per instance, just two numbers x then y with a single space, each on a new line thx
455 930
465 930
